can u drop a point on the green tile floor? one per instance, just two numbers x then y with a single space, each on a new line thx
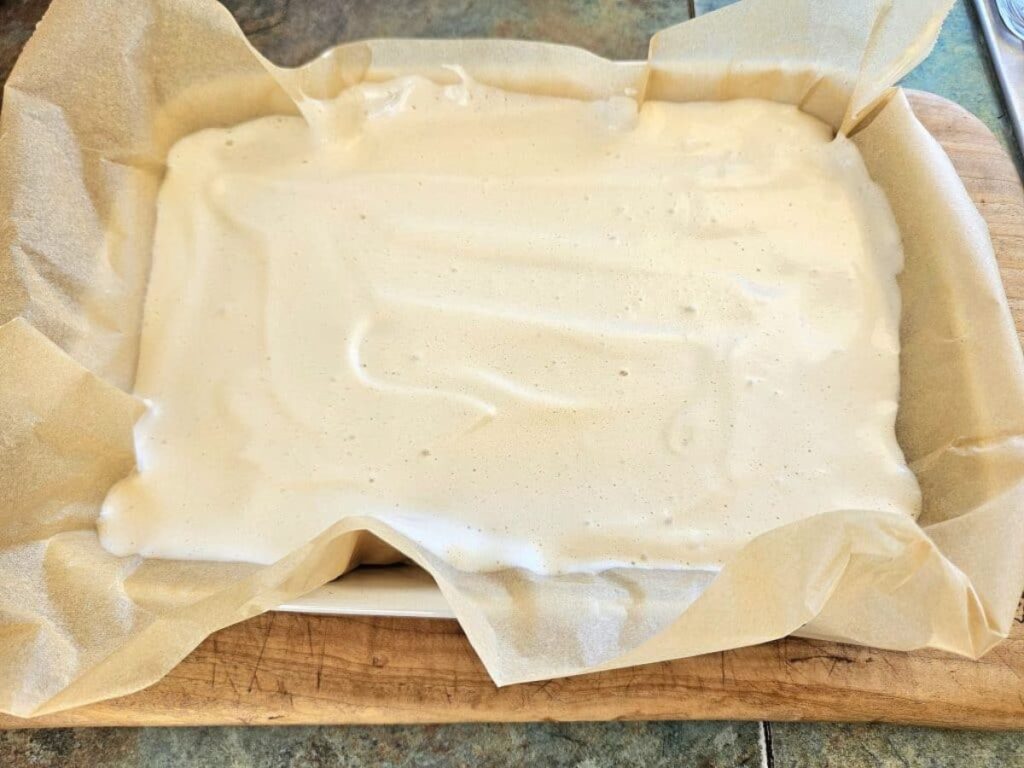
291 31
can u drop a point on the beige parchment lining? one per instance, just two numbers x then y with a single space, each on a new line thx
106 86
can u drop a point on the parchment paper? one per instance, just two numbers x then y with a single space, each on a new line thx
106 86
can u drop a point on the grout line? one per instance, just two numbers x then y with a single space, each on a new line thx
768 759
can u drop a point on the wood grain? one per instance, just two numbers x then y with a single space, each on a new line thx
293 668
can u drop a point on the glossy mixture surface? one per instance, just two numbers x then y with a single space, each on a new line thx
521 330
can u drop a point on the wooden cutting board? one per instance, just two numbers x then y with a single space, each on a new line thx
296 668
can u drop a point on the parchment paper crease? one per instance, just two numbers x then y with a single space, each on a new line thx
106 86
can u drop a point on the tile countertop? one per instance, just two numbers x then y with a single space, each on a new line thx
291 31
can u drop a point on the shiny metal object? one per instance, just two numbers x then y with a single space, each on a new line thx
1006 46
1012 14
